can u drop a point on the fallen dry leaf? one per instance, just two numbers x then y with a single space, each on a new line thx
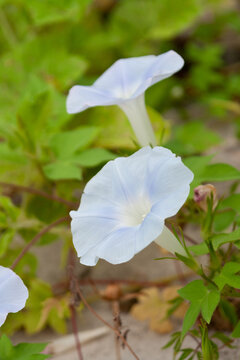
153 306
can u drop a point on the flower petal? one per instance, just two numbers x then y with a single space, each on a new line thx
119 246
13 292
83 97
3 318
168 241
168 186
120 180
149 230
129 78
164 66
124 206
125 76
89 231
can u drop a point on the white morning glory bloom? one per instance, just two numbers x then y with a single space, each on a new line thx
124 84
13 293
124 206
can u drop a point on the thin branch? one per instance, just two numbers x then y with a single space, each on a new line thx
72 305
106 323
63 285
160 283
75 331
117 325
36 238
39 193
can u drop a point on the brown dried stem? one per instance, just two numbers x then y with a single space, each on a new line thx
72 305
117 332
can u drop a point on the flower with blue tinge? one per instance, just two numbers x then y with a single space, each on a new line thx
124 84
124 207
13 293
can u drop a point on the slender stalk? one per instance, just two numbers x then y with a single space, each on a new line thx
39 193
117 324
72 305
75 331
36 238
117 332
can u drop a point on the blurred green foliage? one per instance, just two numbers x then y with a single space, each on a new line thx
46 47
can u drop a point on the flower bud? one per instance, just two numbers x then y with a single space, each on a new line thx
112 292
204 192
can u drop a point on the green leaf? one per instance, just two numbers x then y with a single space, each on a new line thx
194 291
65 144
185 353
217 241
25 349
223 220
227 276
192 138
236 332
21 351
196 164
5 240
62 170
199 249
209 305
220 239
130 18
53 11
93 157
9 155
190 318
187 261
220 172
232 202
228 311
226 340
202 299
6 348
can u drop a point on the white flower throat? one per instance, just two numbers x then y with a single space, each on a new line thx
135 211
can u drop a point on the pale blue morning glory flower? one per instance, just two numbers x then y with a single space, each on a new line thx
13 293
124 84
124 207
